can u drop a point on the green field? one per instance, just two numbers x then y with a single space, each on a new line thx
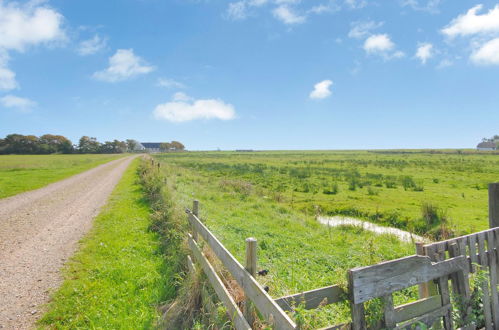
20 173
119 276
299 253
388 187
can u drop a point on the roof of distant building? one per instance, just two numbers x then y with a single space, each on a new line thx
151 145
486 144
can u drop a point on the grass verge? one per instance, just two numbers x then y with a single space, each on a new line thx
20 173
119 275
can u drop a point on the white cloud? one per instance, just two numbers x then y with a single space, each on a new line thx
187 110
424 52
92 46
287 15
321 90
378 43
382 45
31 24
362 29
473 23
7 77
11 101
122 66
487 54
169 83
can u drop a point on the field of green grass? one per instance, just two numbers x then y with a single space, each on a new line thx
387 187
119 276
20 173
299 253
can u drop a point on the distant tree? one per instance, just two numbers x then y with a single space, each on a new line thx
114 147
177 146
49 144
89 145
165 146
132 145
21 144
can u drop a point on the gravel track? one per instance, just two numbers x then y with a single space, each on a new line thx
39 231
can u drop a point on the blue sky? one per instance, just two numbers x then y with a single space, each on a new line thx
261 74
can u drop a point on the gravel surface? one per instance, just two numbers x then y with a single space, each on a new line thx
39 231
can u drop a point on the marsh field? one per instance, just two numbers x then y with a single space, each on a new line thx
276 197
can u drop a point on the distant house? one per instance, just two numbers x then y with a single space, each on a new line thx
151 146
486 145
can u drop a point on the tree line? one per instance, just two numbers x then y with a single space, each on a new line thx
51 144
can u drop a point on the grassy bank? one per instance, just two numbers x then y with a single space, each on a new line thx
20 173
119 276
299 253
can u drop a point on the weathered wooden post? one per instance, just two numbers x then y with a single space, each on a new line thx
251 260
195 211
494 205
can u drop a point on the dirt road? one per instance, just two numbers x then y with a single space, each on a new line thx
39 230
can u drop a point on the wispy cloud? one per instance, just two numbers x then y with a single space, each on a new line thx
287 15
361 29
123 65
169 83
92 46
430 6
19 103
183 108
7 77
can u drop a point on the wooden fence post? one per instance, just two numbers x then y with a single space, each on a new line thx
195 211
428 289
494 205
251 260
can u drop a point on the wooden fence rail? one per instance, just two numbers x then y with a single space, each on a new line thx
433 268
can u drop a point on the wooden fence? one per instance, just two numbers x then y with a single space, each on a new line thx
441 270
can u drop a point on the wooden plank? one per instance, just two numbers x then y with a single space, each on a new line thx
492 259
190 265
427 289
485 285
356 309
313 298
387 277
251 261
429 319
263 302
388 311
415 309
232 310
494 205
343 326
473 253
195 210
443 285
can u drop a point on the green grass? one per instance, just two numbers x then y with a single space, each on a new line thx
299 253
389 187
119 275
20 173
